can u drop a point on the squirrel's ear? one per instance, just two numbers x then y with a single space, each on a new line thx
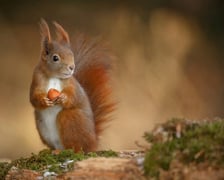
62 35
45 34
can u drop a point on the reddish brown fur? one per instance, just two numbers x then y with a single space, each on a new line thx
37 92
76 134
94 65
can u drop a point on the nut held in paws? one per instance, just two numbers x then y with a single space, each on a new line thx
53 93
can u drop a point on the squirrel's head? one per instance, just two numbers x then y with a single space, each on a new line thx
56 55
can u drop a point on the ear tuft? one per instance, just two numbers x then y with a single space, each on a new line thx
45 35
44 30
62 35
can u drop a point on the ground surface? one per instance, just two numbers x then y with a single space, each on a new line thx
178 149
128 165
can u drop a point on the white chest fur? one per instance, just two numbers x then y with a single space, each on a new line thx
48 117
54 83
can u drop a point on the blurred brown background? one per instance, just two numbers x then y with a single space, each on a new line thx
169 63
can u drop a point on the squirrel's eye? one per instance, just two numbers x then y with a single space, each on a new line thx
55 58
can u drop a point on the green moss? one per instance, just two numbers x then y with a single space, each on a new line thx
4 168
197 142
108 153
47 160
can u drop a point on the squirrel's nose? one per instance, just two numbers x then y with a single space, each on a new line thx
71 67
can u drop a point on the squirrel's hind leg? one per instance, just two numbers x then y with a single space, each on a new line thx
76 131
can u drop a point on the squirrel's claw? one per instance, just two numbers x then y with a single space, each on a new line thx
48 102
61 99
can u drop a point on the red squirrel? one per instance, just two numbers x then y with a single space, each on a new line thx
81 73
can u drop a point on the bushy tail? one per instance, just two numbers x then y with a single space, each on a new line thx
93 71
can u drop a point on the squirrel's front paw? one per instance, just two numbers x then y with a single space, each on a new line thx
47 102
61 99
